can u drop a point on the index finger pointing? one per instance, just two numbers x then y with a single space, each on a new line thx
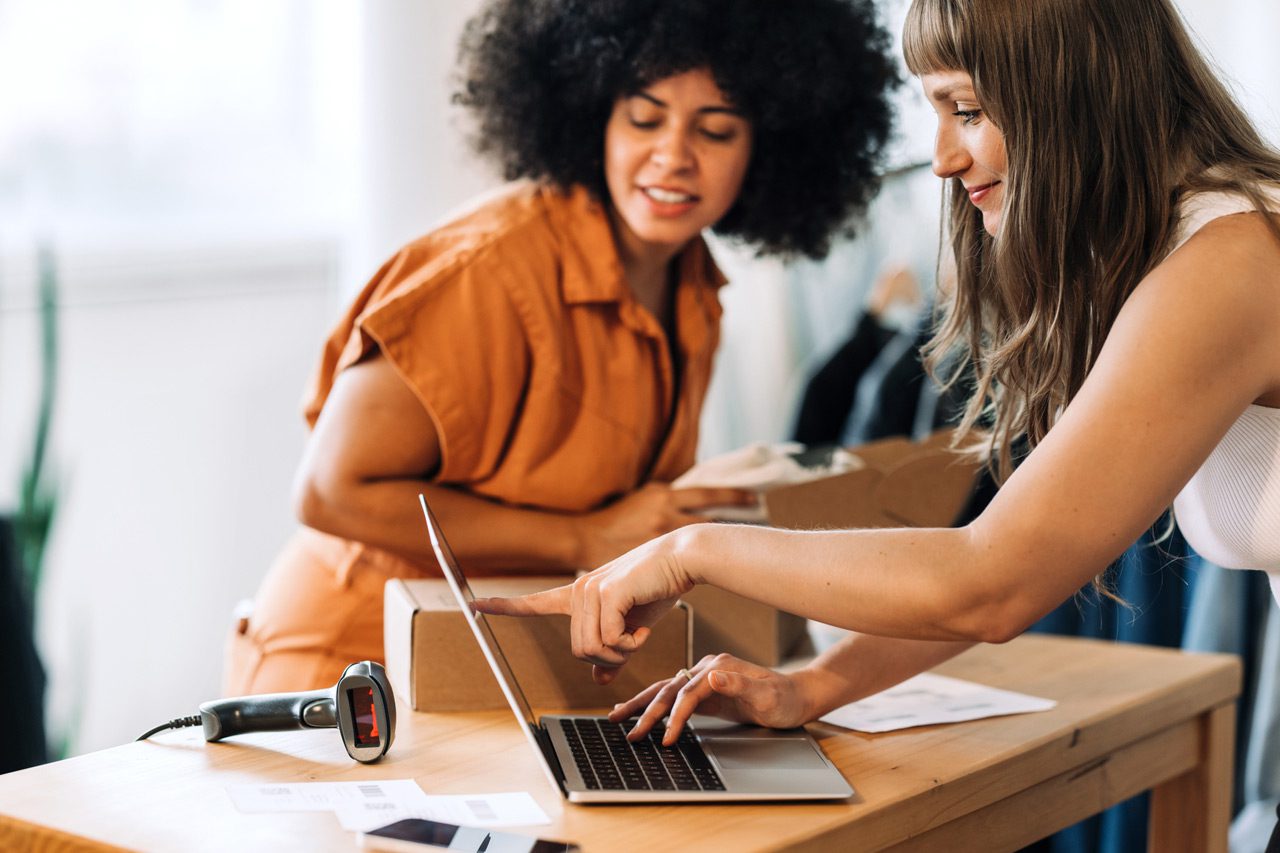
558 600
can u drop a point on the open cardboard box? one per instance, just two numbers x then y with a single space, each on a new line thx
435 664
903 484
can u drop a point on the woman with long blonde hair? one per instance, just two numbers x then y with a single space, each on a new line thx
1117 259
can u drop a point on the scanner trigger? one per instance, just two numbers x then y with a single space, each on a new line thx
319 714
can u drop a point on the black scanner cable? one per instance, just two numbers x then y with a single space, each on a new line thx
178 723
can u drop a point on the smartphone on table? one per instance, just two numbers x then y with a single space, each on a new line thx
414 835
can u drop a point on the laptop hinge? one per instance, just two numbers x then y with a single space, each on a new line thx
543 740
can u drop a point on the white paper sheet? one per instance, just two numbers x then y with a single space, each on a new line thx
487 810
928 699
372 803
324 796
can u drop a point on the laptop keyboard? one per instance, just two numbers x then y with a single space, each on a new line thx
609 762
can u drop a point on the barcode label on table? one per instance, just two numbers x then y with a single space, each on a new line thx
481 810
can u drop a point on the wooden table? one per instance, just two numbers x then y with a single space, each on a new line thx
1129 719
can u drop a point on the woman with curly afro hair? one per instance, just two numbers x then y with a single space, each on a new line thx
537 365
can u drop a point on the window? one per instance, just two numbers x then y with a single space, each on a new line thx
146 123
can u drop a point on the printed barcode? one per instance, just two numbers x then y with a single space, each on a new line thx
372 790
481 810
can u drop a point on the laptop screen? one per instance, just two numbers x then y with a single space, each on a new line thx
479 624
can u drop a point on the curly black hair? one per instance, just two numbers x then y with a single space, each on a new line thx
814 77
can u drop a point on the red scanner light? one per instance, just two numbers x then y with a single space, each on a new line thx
364 713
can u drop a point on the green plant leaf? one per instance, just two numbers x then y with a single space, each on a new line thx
38 495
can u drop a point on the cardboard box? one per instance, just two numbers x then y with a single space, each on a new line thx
904 484
435 664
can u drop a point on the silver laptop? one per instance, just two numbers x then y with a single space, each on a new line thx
590 760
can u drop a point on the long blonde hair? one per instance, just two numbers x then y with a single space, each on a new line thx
1110 118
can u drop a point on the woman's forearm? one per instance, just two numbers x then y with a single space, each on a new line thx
923 584
368 458
482 533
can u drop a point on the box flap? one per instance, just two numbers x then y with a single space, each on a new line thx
905 483
939 440
433 594
832 503
928 489
884 452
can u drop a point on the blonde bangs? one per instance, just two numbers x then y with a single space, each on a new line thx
935 38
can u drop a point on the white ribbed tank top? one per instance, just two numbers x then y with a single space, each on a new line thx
1230 509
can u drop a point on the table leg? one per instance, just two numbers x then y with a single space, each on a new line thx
1190 813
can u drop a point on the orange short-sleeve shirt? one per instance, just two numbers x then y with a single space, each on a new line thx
548 383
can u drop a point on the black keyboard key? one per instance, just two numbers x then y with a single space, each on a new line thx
608 761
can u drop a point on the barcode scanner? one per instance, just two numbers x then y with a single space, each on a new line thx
361 706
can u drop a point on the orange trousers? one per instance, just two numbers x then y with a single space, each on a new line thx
318 610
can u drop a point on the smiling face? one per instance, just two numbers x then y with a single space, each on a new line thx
676 153
968 147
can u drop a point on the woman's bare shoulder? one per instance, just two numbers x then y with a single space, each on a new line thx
1224 281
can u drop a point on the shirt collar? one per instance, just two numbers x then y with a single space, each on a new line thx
592 271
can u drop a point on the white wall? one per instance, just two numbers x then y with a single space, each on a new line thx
177 435
178 425
1240 36
415 165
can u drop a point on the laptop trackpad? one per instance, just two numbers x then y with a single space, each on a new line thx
779 754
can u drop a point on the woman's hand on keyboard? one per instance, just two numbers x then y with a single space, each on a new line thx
722 686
